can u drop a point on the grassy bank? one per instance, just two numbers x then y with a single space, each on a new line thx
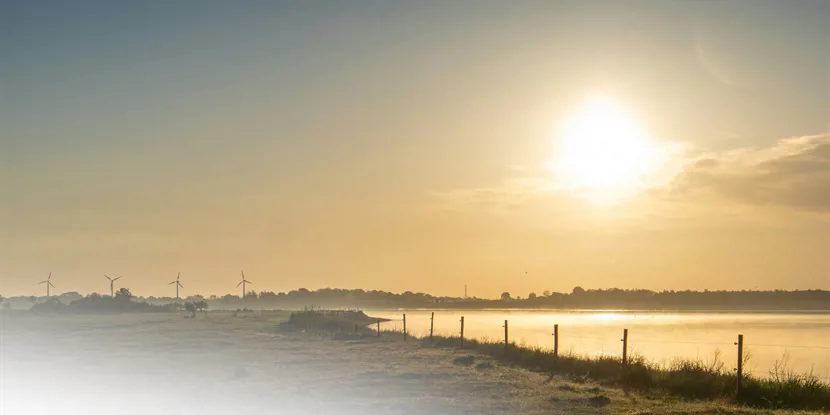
331 321
687 379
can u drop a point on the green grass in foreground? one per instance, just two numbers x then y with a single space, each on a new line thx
688 379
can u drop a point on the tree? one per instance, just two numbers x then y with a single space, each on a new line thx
191 308
267 295
70 297
546 293
505 296
531 296
124 293
578 290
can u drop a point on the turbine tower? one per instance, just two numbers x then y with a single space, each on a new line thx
178 284
112 283
242 283
48 282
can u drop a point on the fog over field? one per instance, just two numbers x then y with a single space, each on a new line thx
221 363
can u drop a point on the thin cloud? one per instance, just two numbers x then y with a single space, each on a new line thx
794 173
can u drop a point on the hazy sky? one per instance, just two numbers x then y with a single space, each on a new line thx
408 145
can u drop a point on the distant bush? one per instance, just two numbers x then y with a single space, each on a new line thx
328 320
193 306
69 297
124 293
95 303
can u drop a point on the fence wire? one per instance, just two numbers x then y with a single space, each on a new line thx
565 340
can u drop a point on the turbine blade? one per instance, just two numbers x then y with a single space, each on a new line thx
53 285
248 282
105 276
172 283
180 285
44 282
240 283
117 278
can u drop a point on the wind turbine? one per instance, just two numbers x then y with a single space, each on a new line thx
112 282
242 283
48 283
178 284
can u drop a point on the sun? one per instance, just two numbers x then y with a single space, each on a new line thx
602 153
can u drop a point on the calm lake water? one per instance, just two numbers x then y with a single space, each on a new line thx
801 340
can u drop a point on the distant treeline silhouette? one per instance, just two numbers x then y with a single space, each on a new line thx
121 302
578 298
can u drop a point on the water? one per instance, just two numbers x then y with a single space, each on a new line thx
800 341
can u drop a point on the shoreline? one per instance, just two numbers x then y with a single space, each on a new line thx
616 311
685 378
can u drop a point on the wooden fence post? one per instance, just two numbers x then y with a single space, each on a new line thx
506 340
555 340
355 329
378 327
625 347
462 332
740 368
431 325
404 327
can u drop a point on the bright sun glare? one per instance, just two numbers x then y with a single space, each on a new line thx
602 154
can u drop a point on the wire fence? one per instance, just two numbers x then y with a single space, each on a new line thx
629 345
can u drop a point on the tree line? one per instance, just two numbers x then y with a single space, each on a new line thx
578 298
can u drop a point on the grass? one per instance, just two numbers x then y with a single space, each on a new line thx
686 379
689 379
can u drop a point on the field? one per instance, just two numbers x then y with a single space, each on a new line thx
238 363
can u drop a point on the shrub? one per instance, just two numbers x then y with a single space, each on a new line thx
100 304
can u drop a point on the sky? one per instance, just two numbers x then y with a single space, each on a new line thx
414 146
